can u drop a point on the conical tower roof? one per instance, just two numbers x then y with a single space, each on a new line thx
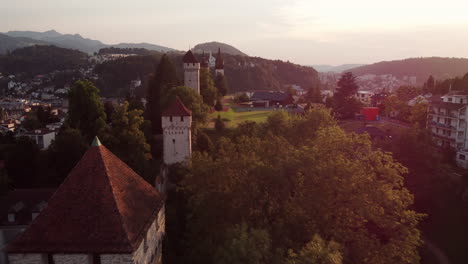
103 206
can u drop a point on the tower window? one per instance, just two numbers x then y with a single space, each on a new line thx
182 118
173 141
170 118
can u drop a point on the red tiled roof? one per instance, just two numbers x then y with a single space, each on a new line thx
102 207
177 108
189 57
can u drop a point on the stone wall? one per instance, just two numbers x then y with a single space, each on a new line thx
116 259
27 259
150 249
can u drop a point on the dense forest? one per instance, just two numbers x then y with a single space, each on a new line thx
422 68
242 73
41 59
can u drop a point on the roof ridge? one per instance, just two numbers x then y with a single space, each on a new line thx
106 169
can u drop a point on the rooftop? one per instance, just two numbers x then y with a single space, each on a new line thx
189 58
177 108
103 206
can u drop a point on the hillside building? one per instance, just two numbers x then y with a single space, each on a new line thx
447 120
191 71
103 212
365 97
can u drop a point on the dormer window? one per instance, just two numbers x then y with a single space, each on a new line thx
182 119
11 217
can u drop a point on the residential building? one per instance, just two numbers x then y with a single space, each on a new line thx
365 97
447 120
103 212
271 98
42 137
18 208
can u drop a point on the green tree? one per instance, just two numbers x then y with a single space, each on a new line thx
317 251
21 162
86 111
345 104
418 114
322 181
207 89
218 106
126 138
244 245
65 152
162 81
3 114
219 124
191 100
221 84
203 142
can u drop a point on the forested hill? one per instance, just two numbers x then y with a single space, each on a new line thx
213 47
8 43
422 68
41 59
242 73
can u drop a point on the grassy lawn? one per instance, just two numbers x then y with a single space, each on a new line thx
233 118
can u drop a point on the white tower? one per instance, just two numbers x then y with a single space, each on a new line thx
191 71
176 125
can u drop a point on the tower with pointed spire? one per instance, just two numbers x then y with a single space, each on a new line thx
219 65
176 125
191 71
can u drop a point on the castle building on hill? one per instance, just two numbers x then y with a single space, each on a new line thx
211 61
103 212
219 65
191 71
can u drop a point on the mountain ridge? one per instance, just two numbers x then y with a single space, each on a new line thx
76 41
421 67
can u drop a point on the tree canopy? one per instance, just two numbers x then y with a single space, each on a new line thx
86 110
305 177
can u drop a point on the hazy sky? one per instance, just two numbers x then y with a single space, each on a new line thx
302 31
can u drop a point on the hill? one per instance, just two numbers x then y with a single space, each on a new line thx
8 43
242 73
41 59
422 68
76 41
337 69
213 47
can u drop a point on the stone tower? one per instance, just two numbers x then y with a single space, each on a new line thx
176 125
191 71
219 67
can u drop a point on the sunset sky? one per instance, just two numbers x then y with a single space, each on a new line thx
306 32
